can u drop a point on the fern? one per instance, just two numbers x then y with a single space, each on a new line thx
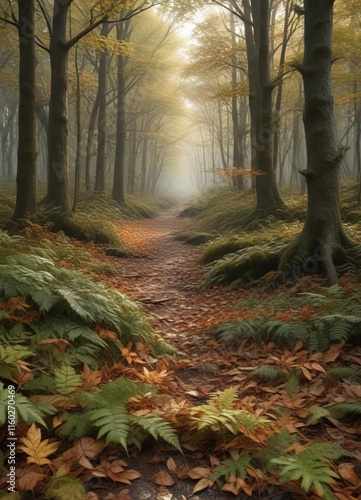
75 425
225 399
219 415
112 422
276 446
24 409
238 330
343 410
231 467
283 334
319 340
66 380
311 466
344 372
157 427
267 373
11 357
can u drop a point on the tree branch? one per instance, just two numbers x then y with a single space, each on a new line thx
45 15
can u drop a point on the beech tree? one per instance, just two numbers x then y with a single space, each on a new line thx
323 240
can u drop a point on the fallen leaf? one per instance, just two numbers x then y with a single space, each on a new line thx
172 466
201 485
347 472
162 478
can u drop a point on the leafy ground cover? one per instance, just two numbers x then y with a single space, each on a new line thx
262 398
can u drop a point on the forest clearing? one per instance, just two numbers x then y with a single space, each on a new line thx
180 249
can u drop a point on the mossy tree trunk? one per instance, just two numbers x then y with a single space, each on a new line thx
27 149
323 242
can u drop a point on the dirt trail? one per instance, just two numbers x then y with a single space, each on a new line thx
164 281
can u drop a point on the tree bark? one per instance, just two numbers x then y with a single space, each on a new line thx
238 183
323 242
27 149
269 201
58 112
118 192
102 116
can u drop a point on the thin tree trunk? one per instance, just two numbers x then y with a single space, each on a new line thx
27 149
58 183
91 130
269 201
78 134
102 116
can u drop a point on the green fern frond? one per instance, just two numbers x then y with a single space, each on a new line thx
267 373
112 422
344 372
276 446
343 410
42 383
120 390
24 409
317 413
318 340
10 355
311 466
292 385
66 380
284 334
231 467
157 427
238 330
75 425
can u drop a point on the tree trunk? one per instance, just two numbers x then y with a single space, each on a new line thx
91 130
238 183
78 134
58 190
269 201
323 242
118 193
27 149
102 116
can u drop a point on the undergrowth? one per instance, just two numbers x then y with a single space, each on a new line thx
318 320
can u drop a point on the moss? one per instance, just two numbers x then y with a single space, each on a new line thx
86 229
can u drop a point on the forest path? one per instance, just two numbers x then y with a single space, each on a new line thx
165 280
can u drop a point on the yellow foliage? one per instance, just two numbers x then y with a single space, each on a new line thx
36 449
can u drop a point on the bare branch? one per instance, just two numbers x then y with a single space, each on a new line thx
45 15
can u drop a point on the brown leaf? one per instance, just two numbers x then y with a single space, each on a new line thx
163 479
172 466
347 472
27 479
199 472
201 485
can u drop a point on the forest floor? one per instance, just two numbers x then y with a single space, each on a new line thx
164 278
